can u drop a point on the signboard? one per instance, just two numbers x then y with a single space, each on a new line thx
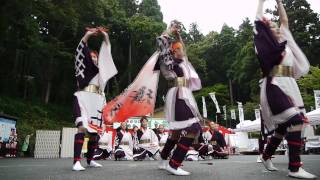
6 126
152 123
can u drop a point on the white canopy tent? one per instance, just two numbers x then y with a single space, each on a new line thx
313 141
314 117
308 132
248 126
253 126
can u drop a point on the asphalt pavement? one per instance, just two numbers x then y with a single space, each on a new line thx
240 167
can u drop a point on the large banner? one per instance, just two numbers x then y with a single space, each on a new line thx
138 99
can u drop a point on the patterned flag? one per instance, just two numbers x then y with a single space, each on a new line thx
233 114
204 108
214 99
138 99
257 113
225 112
241 114
317 98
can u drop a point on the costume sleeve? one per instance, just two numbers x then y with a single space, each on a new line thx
131 143
84 66
268 49
165 60
154 138
301 64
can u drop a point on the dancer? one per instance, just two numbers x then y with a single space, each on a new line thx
181 108
217 146
162 136
92 73
282 62
104 149
123 143
148 142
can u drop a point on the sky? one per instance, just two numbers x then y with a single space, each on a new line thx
210 15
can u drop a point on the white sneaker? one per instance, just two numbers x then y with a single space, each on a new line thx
259 159
178 171
302 174
268 165
94 164
77 167
162 164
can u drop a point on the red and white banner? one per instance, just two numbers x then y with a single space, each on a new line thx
138 99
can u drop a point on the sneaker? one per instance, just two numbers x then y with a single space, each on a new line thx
178 171
268 164
302 174
94 164
162 165
77 167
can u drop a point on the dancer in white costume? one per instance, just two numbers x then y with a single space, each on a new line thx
123 143
148 142
282 62
181 108
162 136
93 70
104 149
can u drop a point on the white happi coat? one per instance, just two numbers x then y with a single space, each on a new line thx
127 149
153 146
91 105
105 141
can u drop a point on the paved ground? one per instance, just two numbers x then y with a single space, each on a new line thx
235 168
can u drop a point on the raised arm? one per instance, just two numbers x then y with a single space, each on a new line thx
259 14
104 32
282 14
90 32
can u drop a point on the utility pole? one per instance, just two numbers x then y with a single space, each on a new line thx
130 61
231 92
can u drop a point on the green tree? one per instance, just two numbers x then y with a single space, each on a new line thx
151 8
309 83
194 32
